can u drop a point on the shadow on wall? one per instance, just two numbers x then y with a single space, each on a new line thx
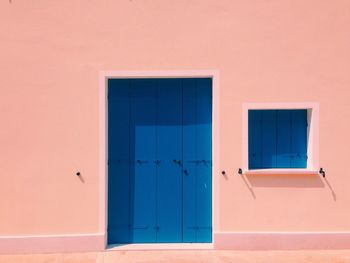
248 186
286 181
331 189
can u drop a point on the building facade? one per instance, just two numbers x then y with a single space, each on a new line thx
174 125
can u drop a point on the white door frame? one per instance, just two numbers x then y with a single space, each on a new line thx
103 146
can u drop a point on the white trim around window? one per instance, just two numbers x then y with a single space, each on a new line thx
313 136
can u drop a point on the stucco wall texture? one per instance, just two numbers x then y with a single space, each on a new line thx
51 53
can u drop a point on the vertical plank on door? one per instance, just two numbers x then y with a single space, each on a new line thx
189 161
169 152
118 161
204 157
143 153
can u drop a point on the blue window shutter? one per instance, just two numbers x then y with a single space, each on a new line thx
277 139
299 138
254 139
268 138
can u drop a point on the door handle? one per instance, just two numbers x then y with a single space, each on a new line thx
200 161
207 162
177 162
141 161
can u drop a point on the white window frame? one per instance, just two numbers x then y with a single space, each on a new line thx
313 136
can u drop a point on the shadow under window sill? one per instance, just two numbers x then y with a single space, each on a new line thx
290 178
281 172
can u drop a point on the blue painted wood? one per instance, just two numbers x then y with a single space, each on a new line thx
190 161
299 139
143 151
169 152
157 129
197 152
268 119
284 142
255 139
281 136
204 156
118 162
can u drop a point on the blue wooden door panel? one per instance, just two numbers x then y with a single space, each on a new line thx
299 138
197 152
118 162
118 204
169 152
190 161
255 139
143 152
283 158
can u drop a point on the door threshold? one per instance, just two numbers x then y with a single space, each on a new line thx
162 246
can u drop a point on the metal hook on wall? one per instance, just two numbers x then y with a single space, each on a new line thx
322 172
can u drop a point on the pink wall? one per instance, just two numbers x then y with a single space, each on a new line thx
51 54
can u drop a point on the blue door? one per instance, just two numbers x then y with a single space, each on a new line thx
159 165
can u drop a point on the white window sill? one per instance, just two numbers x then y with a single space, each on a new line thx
281 171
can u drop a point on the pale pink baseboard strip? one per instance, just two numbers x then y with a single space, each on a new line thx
223 240
282 241
51 244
